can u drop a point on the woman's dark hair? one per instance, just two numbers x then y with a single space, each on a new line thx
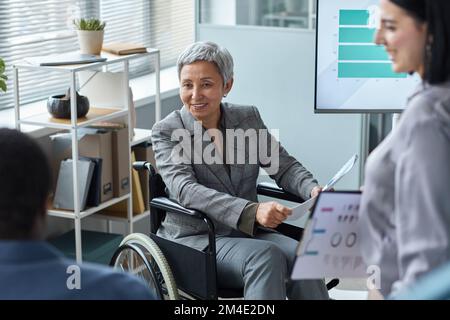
436 13
25 182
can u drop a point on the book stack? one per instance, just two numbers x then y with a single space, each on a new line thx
64 189
123 48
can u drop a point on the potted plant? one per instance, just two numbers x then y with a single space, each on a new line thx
90 35
3 77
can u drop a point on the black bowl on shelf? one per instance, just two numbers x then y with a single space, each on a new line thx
59 106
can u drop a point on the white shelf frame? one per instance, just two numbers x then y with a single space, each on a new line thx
141 135
134 219
88 211
71 70
36 121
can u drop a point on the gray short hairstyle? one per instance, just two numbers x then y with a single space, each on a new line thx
211 52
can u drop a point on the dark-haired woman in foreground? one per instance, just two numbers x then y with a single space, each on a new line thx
405 208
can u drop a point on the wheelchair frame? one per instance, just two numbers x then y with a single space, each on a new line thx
200 265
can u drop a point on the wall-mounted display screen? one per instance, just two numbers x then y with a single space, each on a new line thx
353 74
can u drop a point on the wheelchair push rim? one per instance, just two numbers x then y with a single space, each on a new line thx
141 256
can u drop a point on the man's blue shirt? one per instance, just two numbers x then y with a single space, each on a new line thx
36 270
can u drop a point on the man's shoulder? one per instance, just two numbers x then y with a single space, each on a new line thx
112 284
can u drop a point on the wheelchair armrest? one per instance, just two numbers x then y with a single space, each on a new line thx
170 205
274 191
290 231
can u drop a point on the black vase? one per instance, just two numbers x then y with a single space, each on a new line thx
59 106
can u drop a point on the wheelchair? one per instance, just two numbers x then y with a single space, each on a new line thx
175 271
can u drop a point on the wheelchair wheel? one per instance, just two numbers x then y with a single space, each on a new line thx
141 256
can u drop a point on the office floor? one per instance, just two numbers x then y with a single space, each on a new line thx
347 289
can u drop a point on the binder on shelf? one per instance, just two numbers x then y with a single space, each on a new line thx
138 201
121 162
144 152
95 188
120 156
64 188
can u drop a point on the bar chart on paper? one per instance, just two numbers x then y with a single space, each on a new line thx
358 72
358 55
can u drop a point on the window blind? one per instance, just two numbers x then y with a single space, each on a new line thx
172 28
164 24
42 27
128 21
32 28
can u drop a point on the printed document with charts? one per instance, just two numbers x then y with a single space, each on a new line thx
330 243
300 210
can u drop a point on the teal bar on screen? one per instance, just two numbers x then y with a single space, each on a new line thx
367 70
356 35
362 52
353 17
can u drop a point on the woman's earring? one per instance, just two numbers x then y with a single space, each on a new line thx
224 95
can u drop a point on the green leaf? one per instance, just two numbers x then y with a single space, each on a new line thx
92 24
3 86
3 77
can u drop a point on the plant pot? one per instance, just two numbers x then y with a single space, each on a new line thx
59 106
90 42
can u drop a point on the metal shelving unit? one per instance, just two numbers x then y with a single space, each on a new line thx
94 115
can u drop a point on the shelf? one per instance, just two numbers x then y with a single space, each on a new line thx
118 216
94 115
87 212
111 58
141 135
141 216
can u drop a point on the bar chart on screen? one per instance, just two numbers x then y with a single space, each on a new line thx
350 64
358 55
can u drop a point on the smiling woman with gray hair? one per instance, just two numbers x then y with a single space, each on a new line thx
250 253
211 52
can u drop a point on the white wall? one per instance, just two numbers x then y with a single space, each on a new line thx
274 70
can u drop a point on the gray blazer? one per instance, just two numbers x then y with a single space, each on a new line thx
209 187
